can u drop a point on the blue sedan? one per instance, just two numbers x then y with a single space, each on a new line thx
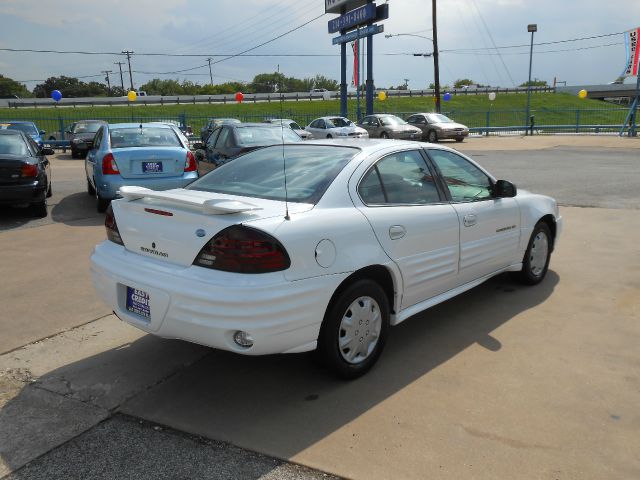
148 155
29 128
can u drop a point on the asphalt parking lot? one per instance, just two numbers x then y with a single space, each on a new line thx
504 381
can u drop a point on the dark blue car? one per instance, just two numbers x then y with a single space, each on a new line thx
26 127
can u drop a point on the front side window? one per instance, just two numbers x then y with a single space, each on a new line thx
310 169
223 137
252 136
211 139
465 181
400 178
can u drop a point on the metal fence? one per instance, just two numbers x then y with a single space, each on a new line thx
479 121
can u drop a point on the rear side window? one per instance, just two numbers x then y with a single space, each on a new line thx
310 169
143 137
401 178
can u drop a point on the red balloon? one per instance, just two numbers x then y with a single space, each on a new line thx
239 97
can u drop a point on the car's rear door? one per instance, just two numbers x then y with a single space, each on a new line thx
416 228
489 227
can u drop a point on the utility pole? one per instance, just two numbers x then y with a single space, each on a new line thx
107 72
406 83
210 74
121 79
128 53
436 65
533 28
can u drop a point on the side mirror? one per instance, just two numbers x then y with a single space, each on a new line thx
504 189
42 132
198 146
47 151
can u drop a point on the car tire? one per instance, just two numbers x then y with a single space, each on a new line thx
49 191
102 203
90 190
536 258
74 154
39 209
348 349
384 135
459 140
432 136
329 136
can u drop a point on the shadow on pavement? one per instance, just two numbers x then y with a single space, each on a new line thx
277 405
77 209
14 217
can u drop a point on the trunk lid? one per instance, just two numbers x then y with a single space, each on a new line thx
11 170
150 162
173 225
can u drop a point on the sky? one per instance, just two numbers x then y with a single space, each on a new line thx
468 32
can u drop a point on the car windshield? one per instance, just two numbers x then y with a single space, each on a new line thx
391 120
252 136
143 137
310 169
27 128
338 122
437 118
89 127
12 145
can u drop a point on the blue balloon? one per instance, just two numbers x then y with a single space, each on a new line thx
56 95
447 97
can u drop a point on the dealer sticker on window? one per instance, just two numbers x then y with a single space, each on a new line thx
138 302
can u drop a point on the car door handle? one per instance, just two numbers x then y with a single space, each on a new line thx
470 219
396 232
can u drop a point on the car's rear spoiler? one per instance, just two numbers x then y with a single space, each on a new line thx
219 206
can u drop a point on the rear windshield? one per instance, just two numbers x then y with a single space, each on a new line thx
252 136
12 145
91 127
27 128
143 137
310 170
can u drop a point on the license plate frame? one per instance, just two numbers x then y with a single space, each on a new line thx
138 302
152 167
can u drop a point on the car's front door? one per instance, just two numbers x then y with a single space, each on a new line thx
415 227
489 226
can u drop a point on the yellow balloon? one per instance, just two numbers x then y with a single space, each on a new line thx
382 96
582 93
132 96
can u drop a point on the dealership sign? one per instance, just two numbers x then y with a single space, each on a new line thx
337 6
631 68
353 18
360 33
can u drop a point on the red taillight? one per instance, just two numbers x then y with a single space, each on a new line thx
242 249
109 166
110 224
190 165
29 170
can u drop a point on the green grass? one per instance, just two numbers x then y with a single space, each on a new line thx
472 110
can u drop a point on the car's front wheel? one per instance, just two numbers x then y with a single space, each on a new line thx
384 135
536 258
354 329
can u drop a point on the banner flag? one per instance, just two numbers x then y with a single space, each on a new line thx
633 53
356 63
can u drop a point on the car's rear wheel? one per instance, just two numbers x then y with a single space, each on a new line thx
49 191
536 258
432 136
74 153
90 190
101 203
39 209
354 329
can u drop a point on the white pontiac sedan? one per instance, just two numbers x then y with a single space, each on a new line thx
321 245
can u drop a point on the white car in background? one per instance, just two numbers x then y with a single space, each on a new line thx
335 127
362 236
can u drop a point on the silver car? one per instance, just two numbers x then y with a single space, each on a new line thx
389 126
335 127
436 126
293 125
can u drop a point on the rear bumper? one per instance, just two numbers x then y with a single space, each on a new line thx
27 193
108 187
208 306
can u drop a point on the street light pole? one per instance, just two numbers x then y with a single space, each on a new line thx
436 64
533 28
